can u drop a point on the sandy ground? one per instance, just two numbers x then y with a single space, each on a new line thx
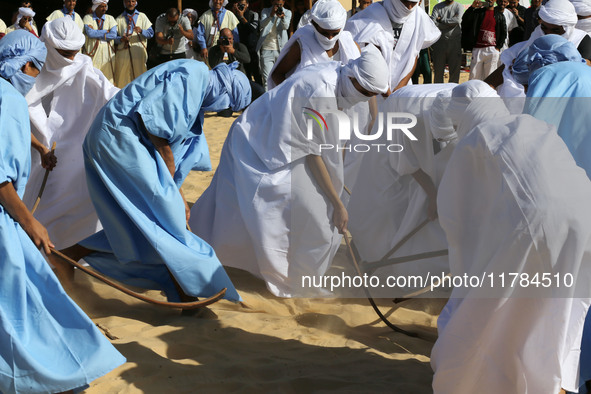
267 344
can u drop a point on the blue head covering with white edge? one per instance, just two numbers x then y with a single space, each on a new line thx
16 49
227 88
546 50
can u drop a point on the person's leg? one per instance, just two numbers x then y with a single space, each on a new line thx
476 65
267 61
438 57
492 63
454 60
426 67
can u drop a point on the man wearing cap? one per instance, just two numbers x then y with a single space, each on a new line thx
137 154
67 10
100 30
133 31
60 112
212 22
274 205
48 344
320 41
24 21
400 30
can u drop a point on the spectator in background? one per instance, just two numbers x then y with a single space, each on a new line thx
518 11
248 27
274 27
423 66
510 21
531 18
193 17
67 10
447 16
363 4
24 21
172 34
212 22
26 4
227 51
484 31
133 31
101 30
300 8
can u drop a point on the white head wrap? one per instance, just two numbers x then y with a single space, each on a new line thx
368 70
582 7
441 122
62 33
397 12
329 14
96 3
24 11
559 12
191 11
225 3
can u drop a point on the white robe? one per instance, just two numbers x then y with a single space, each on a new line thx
264 212
102 52
512 200
387 203
312 52
130 62
373 26
62 105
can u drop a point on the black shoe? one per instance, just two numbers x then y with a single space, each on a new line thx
226 113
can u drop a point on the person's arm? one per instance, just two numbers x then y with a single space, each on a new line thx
111 34
241 53
501 31
267 17
15 207
200 39
427 185
285 20
163 41
147 33
496 79
48 159
405 80
340 217
287 63
186 30
91 32
453 20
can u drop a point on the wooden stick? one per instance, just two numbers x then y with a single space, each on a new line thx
406 238
404 259
181 305
38 200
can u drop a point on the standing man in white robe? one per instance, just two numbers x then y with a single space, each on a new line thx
67 10
134 29
101 31
60 113
400 30
274 206
320 41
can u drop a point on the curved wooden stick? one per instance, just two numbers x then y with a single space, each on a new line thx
38 200
181 305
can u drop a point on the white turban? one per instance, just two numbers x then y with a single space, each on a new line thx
191 11
62 33
397 12
559 12
225 3
24 11
329 14
582 7
370 70
96 3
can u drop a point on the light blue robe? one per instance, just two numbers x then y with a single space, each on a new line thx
47 343
136 199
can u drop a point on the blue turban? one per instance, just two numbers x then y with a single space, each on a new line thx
227 88
16 49
548 49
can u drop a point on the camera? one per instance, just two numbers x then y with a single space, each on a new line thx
241 7
279 11
169 35
224 41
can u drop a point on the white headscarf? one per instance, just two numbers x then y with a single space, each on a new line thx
191 11
397 12
24 11
225 3
561 13
96 3
582 7
329 14
368 70
62 33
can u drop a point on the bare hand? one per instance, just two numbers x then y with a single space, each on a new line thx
38 235
125 39
204 53
137 30
239 14
48 160
170 41
90 27
228 49
340 218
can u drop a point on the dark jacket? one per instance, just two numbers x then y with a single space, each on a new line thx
471 22
216 56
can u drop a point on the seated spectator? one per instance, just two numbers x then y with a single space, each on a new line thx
274 27
100 30
248 31
172 33
212 22
67 10
227 51
193 17
23 21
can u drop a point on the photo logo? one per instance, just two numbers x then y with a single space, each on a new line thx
387 123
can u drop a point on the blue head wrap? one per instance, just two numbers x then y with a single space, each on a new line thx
548 49
16 49
227 88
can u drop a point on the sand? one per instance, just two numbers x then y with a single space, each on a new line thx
266 344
